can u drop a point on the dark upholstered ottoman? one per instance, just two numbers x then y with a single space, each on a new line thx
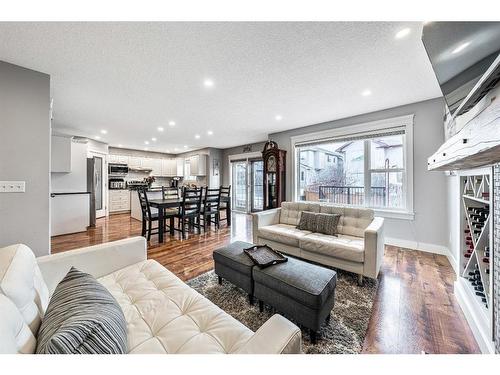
305 292
232 264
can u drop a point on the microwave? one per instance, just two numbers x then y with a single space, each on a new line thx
117 169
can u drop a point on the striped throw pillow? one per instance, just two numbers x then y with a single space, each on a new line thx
82 318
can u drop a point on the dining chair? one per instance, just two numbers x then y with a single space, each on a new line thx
225 205
170 213
210 208
147 216
190 210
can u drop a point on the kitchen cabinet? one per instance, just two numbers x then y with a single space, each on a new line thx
69 213
147 162
60 158
169 167
157 168
118 159
198 165
134 161
119 200
180 167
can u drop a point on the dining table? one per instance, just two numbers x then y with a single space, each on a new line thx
163 204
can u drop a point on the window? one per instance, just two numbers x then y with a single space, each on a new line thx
360 168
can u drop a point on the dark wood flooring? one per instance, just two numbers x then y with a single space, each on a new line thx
415 309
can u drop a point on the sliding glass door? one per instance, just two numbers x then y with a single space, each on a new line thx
247 182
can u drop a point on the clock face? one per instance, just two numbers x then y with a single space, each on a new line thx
271 164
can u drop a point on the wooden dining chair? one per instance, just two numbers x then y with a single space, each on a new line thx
170 213
210 208
148 218
190 210
225 204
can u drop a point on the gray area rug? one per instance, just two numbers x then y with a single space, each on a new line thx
343 335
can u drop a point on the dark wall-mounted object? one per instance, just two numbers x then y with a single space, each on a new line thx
274 175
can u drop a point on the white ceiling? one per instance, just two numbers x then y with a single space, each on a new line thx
130 78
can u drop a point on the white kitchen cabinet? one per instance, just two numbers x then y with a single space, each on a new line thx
180 167
147 162
119 200
198 165
157 167
117 159
169 167
135 161
69 213
60 158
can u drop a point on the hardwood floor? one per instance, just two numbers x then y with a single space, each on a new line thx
415 309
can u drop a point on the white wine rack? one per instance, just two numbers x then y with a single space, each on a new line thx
476 245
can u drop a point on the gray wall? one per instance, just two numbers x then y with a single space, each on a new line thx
25 156
429 191
235 151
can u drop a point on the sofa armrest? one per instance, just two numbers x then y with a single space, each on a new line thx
98 260
374 247
276 336
263 218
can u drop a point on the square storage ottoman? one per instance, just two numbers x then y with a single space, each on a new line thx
232 264
303 291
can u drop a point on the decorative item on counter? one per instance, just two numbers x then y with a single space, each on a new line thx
149 180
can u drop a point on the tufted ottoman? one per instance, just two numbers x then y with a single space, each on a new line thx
302 291
232 264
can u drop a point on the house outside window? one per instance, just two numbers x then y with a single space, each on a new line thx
367 169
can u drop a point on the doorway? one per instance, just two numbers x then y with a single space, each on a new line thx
247 181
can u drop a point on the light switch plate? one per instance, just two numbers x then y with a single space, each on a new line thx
12 186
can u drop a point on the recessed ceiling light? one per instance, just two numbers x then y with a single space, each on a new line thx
97 137
171 123
176 149
208 82
120 145
146 142
185 146
197 136
461 47
210 132
153 139
278 117
146 149
366 93
402 33
167 151
103 131
160 128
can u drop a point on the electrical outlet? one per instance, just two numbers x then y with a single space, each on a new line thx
12 186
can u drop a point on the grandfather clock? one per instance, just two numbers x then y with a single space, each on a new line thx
274 175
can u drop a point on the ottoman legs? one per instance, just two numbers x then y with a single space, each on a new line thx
250 299
220 280
360 280
314 336
261 306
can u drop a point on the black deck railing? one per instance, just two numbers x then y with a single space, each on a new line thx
354 195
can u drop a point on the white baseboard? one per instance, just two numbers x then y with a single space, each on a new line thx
426 247
475 317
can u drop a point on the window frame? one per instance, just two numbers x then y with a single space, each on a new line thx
367 129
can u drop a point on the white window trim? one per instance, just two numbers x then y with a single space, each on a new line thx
368 128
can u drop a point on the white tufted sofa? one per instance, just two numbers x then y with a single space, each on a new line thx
359 247
163 314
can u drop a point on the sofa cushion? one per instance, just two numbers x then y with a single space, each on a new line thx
164 315
343 247
22 283
307 221
353 221
82 318
291 211
282 233
327 223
